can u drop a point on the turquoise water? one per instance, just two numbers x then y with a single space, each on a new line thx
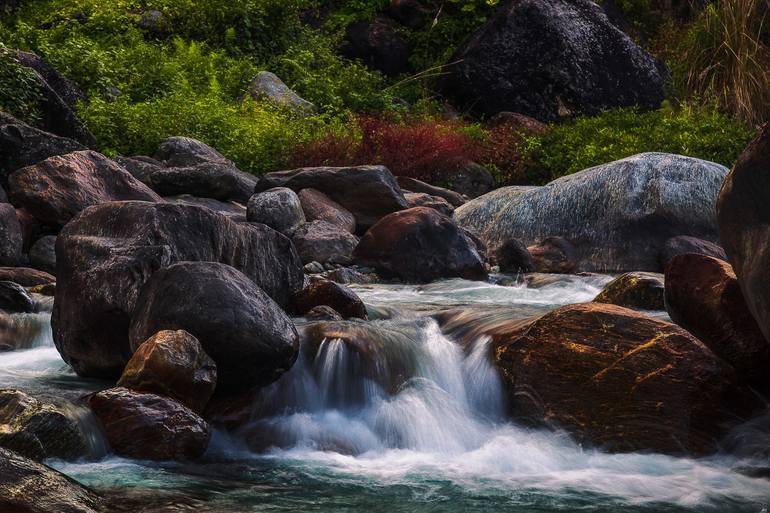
417 428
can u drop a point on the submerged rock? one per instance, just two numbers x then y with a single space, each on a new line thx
368 192
620 380
245 332
617 215
744 225
704 297
420 245
331 294
29 487
278 208
551 59
173 364
110 251
57 189
149 426
39 430
638 290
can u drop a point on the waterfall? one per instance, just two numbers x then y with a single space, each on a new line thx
400 383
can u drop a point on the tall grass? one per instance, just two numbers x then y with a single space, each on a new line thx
727 59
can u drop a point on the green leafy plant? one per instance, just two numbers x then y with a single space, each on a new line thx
20 90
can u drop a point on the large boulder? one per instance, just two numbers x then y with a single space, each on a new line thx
173 364
187 152
323 242
331 294
217 180
317 206
420 245
278 208
30 487
267 86
378 44
107 254
744 225
549 59
140 167
232 209
15 298
368 192
618 215
619 380
58 102
11 237
39 430
57 189
704 297
637 290
22 145
25 276
245 332
149 426
685 244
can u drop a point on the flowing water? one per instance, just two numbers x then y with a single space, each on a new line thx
395 415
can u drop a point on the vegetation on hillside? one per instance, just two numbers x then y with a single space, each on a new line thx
156 68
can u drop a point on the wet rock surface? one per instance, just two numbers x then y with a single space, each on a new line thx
333 295
639 291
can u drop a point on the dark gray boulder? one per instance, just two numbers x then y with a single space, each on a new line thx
11 238
42 254
107 254
324 242
245 332
317 206
217 180
30 487
617 215
55 190
232 209
15 298
39 430
368 192
328 293
420 245
140 167
187 152
378 44
513 257
22 145
549 59
470 179
278 208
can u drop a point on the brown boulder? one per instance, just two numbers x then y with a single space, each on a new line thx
57 189
25 276
420 199
317 206
682 244
554 255
619 380
148 426
704 297
173 364
420 245
331 294
637 290
743 214
323 242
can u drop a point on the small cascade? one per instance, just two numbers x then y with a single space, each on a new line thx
386 384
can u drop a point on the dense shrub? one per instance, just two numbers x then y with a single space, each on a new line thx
20 90
616 134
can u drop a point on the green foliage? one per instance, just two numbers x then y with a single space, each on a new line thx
20 91
257 137
313 70
590 141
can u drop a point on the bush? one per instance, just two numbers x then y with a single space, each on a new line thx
20 91
725 56
257 137
616 134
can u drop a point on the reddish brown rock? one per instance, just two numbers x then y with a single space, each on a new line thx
420 245
25 276
331 294
620 380
704 297
173 364
149 426
317 206
743 213
554 255
57 189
